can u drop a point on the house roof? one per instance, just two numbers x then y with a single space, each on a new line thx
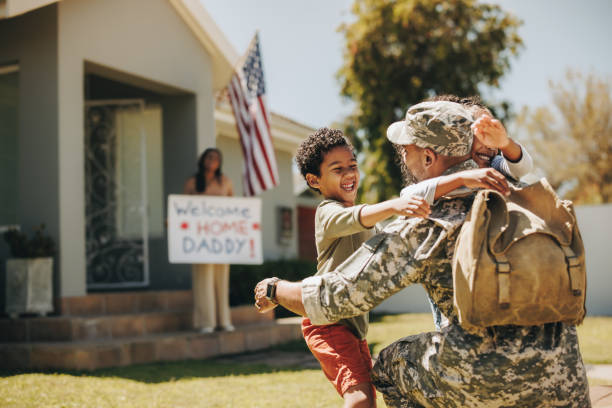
193 13
286 133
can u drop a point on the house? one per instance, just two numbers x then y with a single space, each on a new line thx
105 106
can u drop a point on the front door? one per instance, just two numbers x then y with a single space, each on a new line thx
116 194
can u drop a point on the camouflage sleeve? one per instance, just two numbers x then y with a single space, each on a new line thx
382 266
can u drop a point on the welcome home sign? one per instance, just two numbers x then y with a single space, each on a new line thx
210 229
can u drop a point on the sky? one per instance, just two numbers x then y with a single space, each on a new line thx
302 50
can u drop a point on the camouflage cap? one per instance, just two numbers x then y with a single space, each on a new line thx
441 126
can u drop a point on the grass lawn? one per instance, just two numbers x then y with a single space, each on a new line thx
594 335
212 383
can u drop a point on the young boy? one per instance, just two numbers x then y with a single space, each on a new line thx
327 162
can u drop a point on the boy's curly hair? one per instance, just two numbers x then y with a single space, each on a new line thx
311 152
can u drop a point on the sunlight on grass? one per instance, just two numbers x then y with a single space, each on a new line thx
595 339
384 330
299 388
212 384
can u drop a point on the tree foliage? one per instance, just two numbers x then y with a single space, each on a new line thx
399 52
572 142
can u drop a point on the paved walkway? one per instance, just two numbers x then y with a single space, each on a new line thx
601 395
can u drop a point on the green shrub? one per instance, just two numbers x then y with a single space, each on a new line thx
39 246
243 279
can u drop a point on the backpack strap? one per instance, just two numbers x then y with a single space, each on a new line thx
573 264
502 267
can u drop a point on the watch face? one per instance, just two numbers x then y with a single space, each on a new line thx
270 291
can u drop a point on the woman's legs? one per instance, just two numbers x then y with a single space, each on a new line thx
203 297
224 318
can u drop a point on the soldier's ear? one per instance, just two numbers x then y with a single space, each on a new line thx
429 157
312 180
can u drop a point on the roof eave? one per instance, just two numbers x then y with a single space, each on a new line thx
12 8
223 55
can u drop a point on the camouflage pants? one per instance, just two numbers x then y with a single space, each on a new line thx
509 366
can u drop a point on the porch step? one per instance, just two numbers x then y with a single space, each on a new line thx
96 304
94 354
70 328
109 327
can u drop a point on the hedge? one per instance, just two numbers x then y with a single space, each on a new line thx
243 279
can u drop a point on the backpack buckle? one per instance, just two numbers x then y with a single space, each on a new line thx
573 263
502 267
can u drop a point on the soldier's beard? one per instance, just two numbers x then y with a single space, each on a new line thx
407 176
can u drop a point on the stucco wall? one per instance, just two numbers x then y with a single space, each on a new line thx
282 195
30 42
595 222
595 226
143 38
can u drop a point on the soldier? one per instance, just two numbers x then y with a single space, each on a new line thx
503 366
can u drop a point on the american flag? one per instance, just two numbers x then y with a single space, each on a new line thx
247 93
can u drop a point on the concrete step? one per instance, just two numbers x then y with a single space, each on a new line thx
174 346
75 328
125 302
108 327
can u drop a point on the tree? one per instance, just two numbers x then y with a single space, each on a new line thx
399 52
572 143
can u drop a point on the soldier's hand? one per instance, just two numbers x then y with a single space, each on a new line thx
412 206
485 178
262 304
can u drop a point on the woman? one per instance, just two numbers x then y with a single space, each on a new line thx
210 281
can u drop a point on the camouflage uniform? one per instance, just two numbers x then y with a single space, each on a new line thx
506 366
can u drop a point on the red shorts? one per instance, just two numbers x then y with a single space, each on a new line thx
345 360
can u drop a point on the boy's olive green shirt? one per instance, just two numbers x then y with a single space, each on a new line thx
338 234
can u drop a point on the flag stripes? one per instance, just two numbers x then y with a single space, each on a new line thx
247 96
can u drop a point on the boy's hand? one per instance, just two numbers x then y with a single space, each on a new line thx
485 178
411 207
490 132
262 304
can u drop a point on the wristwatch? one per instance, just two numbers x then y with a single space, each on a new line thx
271 290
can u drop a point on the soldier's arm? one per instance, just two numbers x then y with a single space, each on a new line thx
382 266
379 268
288 295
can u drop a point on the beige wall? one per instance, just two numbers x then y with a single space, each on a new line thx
282 195
29 41
595 222
143 38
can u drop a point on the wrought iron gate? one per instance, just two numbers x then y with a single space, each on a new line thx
116 194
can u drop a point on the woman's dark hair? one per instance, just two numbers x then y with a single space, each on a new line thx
200 175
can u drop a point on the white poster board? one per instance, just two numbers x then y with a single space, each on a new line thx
211 229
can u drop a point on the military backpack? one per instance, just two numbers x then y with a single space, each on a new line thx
519 260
